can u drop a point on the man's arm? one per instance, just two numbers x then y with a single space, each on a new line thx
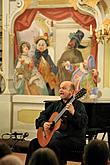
44 116
79 119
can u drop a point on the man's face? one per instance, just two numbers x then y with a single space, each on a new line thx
72 43
65 91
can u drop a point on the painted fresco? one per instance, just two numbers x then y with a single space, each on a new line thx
39 71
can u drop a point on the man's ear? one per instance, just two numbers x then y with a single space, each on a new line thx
73 92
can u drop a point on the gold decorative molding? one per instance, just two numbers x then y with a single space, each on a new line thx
73 3
69 3
52 2
19 3
27 3
22 5
106 22
103 33
11 38
91 3
86 6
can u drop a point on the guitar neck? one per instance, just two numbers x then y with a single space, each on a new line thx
63 111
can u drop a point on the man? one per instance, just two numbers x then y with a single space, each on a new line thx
96 152
72 131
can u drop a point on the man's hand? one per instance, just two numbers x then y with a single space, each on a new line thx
46 126
70 108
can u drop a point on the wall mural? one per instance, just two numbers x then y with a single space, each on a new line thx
37 73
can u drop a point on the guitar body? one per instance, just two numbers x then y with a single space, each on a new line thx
44 137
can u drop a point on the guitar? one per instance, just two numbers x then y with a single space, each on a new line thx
55 120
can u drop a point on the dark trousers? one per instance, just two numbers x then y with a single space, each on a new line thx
109 141
32 147
59 144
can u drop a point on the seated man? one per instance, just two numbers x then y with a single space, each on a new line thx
71 134
96 152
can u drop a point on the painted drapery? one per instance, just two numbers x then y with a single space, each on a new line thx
24 21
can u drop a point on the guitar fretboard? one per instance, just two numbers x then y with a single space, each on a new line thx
63 111
78 95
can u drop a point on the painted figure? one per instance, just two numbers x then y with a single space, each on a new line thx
45 65
27 78
71 56
87 76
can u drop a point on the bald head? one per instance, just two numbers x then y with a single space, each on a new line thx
68 84
66 90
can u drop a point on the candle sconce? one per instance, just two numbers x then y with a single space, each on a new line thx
103 35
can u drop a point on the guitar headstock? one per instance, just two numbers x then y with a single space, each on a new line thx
81 93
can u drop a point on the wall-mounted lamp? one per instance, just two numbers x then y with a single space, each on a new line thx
102 35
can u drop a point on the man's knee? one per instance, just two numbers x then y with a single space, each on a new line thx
33 145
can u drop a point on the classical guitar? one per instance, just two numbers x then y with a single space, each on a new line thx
55 120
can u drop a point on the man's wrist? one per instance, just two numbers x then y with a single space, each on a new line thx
73 112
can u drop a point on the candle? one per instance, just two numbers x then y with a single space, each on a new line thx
108 28
102 29
91 32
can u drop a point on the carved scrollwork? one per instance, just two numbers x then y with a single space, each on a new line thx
91 3
87 6
19 3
